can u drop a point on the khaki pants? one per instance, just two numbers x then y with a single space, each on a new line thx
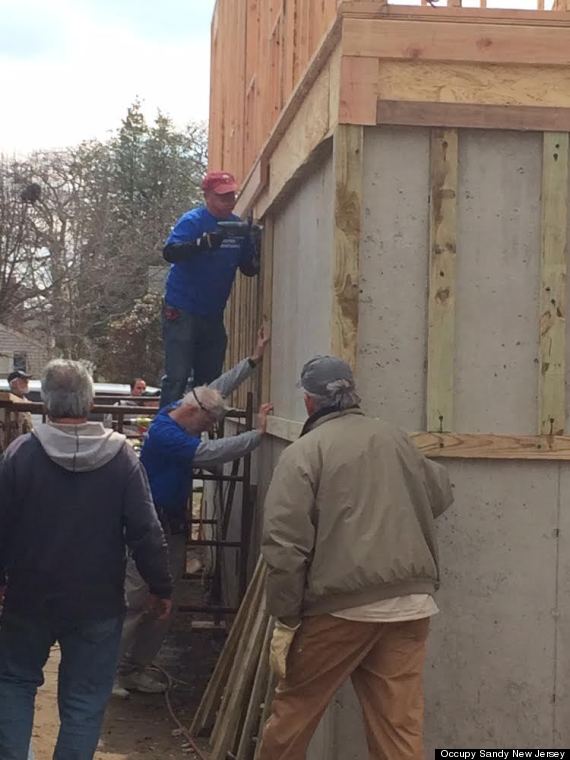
385 662
143 634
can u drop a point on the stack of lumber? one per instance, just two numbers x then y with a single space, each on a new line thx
236 702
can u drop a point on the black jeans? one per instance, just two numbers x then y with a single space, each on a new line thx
194 351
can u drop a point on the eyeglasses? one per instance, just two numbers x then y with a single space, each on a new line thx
202 407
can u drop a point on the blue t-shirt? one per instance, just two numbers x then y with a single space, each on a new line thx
167 455
202 284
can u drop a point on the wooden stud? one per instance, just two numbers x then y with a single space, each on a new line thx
219 732
265 711
231 712
348 148
441 298
552 365
206 712
258 690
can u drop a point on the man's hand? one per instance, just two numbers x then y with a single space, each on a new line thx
263 338
157 607
281 641
211 240
264 411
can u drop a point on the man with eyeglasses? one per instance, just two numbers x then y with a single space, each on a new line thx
172 447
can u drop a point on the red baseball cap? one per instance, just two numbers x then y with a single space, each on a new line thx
219 183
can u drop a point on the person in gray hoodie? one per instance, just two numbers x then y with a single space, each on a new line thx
73 497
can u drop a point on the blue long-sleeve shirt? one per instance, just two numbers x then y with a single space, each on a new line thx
169 452
202 284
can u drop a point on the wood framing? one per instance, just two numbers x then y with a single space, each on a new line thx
471 115
441 297
265 303
480 446
452 41
358 83
347 167
462 445
552 366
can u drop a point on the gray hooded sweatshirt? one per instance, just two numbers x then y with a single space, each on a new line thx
72 498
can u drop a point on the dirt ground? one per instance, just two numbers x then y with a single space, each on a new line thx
140 728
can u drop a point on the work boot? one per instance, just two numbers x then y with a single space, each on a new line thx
140 680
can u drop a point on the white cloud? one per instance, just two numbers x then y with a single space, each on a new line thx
81 89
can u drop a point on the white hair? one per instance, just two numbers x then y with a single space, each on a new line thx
208 398
67 389
341 395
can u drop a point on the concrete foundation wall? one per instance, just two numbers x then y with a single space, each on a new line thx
302 301
497 670
498 266
393 275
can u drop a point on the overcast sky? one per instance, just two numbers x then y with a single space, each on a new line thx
70 68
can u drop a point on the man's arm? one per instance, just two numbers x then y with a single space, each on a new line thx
144 535
233 378
221 450
438 486
188 238
210 453
249 264
288 536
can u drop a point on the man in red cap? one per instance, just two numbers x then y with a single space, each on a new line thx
204 263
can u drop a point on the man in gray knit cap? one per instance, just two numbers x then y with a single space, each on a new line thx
349 540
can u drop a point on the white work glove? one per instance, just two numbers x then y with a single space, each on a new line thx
281 641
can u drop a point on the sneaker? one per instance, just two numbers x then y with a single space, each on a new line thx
119 692
143 682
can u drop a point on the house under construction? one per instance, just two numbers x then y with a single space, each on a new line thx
410 168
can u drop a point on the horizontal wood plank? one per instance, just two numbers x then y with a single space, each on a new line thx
482 43
462 445
473 115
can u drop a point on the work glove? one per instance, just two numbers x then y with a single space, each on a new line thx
210 240
281 641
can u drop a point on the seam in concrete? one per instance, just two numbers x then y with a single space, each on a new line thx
556 610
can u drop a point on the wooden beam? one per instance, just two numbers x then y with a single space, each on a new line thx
462 445
287 430
472 115
348 149
480 446
482 43
441 296
552 365
475 83
358 90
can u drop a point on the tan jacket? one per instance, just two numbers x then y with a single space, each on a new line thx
349 518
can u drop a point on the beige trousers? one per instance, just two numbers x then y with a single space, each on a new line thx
385 662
